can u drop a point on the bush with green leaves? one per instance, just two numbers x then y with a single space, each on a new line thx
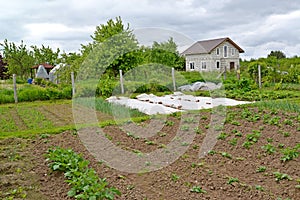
36 93
84 182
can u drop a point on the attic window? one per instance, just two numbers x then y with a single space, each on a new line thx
232 51
218 51
225 51
192 65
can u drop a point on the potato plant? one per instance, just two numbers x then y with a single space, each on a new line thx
85 184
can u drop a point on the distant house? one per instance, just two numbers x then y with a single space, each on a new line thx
210 55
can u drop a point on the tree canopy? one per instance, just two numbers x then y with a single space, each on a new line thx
277 54
3 69
45 55
18 58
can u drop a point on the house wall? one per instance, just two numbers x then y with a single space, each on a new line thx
212 58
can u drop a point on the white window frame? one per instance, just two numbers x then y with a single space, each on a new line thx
203 65
225 51
218 51
232 51
192 65
217 61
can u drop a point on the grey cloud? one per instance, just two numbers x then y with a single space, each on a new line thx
246 22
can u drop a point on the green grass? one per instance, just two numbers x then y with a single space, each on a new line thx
108 108
290 105
25 119
30 133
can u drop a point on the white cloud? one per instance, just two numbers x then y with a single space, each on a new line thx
257 26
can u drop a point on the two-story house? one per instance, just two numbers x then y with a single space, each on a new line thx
210 55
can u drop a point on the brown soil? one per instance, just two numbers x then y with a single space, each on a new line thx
23 163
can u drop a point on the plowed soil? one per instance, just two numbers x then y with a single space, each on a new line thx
229 171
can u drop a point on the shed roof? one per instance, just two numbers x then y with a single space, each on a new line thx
206 46
46 66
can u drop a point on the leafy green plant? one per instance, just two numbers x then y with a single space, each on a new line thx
269 140
197 189
286 134
269 148
280 176
222 136
204 117
226 155
211 152
236 123
197 130
274 121
149 142
85 184
175 177
251 139
232 180
247 144
233 141
238 134
254 136
261 169
201 164
161 134
259 187
288 122
169 123
289 153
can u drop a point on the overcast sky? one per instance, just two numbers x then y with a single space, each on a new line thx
257 26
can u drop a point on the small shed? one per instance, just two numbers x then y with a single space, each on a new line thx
41 72
47 66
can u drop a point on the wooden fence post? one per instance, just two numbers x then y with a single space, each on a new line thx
15 88
121 81
173 78
73 84
259 76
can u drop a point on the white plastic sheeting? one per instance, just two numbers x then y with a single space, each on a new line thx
41 72
200 86
151 104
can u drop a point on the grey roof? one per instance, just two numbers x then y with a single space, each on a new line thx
206 46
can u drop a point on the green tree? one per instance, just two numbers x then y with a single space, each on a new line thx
106 31
166 53
45 55
277 54
72 63
114 47
162 53
3 69
253 69
18 58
